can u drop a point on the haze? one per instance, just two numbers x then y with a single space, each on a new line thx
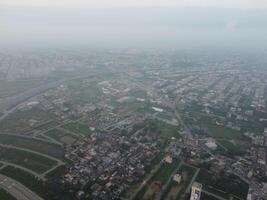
131 23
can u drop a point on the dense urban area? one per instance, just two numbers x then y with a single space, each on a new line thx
133 125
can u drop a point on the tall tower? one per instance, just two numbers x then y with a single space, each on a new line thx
196 191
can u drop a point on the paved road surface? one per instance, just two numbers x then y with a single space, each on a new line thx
19 191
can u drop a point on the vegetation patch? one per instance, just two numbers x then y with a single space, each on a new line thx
220 131
25 178
61 136
161 175
33 144
225 186
234 149
161 129
19 121
26 159
78 128
5 195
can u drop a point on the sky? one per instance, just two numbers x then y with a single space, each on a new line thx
128 23
244 4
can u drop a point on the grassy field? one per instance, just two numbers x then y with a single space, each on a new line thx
5 196
26 159
26 179
218 131
162 129
61 136
84 93
78 128
9 88
234 149
50 124
18 121
165 115
33 144
174 191
162 175
223 186
187 173
165 171
205 196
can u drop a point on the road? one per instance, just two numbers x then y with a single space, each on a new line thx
19 191
213 195
40 176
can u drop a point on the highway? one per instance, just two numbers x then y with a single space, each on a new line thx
17 190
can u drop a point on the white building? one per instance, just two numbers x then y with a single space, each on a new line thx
196 191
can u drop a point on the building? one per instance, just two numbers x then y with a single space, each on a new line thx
196 191
177 178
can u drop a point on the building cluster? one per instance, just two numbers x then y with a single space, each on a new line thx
107 165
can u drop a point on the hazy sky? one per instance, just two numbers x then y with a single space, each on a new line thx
102 3
137 22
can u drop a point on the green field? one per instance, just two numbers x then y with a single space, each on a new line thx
84 93
187 172
26 179
234 149
40 146
61 136
78 128
34 162
5 196
46 126
224 187
18 121
162 175
165 115
218 131
161 129
205 196
9 88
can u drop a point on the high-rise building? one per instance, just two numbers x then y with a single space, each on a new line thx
196 191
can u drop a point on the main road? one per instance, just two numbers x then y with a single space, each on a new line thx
17 190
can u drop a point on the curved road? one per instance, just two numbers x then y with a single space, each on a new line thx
17 190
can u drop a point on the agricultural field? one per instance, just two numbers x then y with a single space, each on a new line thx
232 147
48 125
84 92
20 120
9 88
176 191
25 178
5 196
221 132
61 136
161 129
225 187
34 162
33 144
78 128
161 175
205 196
